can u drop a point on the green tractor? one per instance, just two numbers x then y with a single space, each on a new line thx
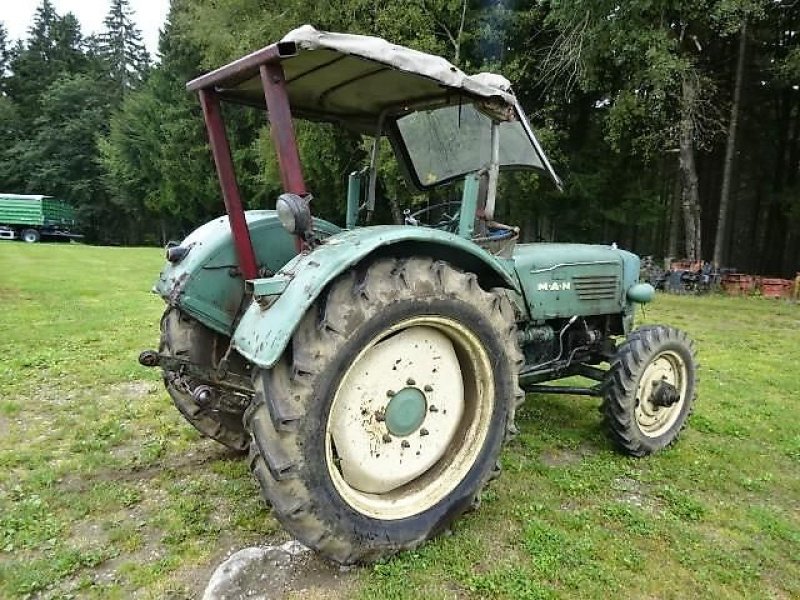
373 372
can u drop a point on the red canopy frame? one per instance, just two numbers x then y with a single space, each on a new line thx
267 63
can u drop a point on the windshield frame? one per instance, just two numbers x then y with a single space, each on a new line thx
392 130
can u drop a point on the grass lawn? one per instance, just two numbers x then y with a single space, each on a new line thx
105 492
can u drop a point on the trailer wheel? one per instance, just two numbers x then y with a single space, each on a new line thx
650 389
385 417
186 338
30 236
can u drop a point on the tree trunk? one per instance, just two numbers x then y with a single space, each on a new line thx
730 151
397 212
691 194
674 220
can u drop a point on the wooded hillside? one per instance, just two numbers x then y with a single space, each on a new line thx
675 124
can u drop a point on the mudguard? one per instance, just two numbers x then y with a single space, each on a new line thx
281 301
206 283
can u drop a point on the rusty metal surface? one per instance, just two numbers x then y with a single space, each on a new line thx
241 69
227 179
282 129
207 284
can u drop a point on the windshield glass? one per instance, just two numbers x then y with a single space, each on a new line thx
452 141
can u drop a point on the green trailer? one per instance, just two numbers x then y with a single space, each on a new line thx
33 217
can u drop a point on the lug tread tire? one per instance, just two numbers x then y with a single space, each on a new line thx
183 336
285 394
622 382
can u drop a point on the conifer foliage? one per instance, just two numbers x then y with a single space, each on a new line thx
121 46
675 124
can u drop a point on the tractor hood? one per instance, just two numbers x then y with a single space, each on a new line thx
562 280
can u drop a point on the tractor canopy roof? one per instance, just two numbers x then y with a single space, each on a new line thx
372 86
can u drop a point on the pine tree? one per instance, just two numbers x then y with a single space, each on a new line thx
155 155
121 45
54 48
40 35
5 55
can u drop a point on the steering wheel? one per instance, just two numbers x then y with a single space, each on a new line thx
446 221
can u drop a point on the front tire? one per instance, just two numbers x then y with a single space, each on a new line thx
385 417
650 389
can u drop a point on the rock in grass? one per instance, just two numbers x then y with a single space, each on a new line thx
258 573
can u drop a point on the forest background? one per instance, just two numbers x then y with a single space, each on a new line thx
675 124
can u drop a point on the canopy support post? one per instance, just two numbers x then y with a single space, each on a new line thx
221 150
282 129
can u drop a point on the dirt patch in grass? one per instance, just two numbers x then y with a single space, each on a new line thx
107 493
8 294
127 517
564 457
634 493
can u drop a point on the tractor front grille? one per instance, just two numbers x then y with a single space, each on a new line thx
596 287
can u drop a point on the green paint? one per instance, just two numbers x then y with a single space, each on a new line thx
469 204
268 286
353 198
262 334
35 211
205 284
641 293
562 280
406 411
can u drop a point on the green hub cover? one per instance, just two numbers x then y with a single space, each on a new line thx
406 411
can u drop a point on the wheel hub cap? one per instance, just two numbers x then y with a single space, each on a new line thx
406 411
660 393
386 430
664 394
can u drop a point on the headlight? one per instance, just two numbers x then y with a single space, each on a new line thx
294 213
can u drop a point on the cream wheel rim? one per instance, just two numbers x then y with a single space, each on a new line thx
667 367
409 417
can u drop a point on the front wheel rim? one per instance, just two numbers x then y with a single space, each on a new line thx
387 462
668 367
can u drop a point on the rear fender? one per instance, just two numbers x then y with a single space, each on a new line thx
264 331
206 283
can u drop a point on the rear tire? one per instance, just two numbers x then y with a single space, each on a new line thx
30 236
341 476
188 339
650 389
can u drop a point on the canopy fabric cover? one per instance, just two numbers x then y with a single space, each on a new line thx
417 66
356 81
352 79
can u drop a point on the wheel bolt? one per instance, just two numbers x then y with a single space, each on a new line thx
410 381
433 408
405 444
390 393
379 416
428 388
423 431
386 438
